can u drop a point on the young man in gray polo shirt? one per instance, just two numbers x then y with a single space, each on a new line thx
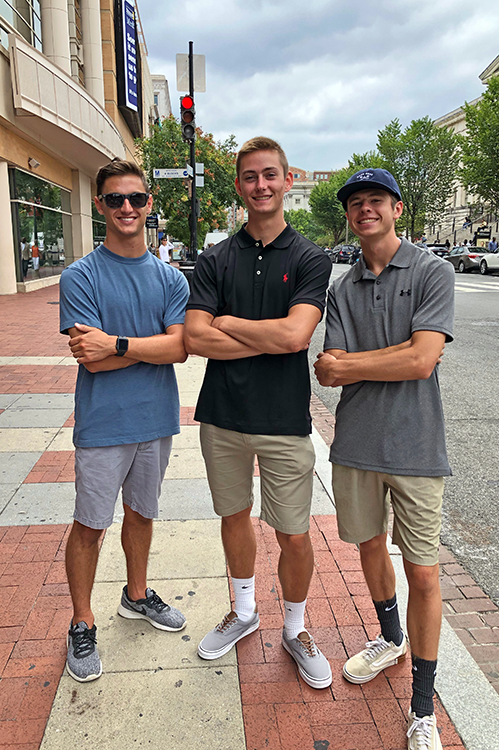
388 320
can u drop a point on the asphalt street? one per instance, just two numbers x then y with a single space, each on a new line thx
469 383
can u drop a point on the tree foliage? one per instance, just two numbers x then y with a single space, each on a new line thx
304 222
165 149
424 159
480 146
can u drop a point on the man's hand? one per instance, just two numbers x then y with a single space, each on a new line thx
324 369
92 345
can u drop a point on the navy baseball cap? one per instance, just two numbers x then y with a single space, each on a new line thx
365 179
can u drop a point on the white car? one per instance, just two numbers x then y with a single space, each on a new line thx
489 262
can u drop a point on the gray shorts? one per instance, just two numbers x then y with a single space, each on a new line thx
138 468
286 475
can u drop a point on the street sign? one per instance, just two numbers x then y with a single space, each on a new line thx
199 180
199 168
189 170
168 174
152 221
199 62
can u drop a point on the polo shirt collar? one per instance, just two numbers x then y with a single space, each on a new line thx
282 241
403 258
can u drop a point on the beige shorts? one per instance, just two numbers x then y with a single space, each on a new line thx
363 499
286 475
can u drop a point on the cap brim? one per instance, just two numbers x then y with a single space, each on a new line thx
346 191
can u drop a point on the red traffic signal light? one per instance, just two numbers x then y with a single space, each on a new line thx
187 113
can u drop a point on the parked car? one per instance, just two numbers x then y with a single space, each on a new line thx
342 253
489 262
466 258
440 250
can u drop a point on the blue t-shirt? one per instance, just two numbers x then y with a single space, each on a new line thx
134 297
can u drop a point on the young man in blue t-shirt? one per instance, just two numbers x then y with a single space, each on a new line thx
124 311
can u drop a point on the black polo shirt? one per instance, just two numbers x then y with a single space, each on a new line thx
268 394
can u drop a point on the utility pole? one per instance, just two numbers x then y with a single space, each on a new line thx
194 218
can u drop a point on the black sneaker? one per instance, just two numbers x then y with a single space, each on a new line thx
83 662
153 609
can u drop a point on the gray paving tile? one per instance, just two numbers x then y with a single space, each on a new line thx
17 417
49 503
46 401
7 399
7 492
185 498
15 467
170 709
179 549
134 645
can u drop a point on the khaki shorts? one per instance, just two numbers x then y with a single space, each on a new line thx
100 473
286 475
363 498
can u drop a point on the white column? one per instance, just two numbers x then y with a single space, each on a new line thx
92 49
81 209
7 261
55 33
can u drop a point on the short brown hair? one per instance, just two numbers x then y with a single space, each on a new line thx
119 168
261 143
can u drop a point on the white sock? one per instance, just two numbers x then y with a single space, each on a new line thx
294 618
244 592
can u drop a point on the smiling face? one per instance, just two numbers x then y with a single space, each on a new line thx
125 222
262 184
372 214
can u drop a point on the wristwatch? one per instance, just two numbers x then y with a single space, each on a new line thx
121 346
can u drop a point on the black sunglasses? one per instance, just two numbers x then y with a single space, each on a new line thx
116 200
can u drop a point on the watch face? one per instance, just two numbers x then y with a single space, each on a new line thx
121 345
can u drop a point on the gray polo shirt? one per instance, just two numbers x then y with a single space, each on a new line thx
398 427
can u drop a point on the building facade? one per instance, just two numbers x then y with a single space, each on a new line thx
454 225
303 184
75 91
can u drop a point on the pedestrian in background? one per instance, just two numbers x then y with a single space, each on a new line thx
124 311
492 245
25 256
165 250
255 302
388 319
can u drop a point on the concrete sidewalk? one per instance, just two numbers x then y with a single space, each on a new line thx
155 691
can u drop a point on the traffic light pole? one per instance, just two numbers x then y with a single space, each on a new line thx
194 219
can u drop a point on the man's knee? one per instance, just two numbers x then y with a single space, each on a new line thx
236 519
85 535
422 578
294 544
374 546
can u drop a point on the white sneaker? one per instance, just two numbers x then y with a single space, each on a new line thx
376 656
423 733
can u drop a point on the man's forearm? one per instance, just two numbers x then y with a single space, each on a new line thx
405 364
215 344
109 364
374 352
162 349
274 336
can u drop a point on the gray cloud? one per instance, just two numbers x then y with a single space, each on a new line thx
324 76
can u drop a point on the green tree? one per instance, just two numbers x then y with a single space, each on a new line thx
480 146
166 149
304 222
424 159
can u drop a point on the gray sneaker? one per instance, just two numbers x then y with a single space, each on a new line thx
311 662
153 609
226 634
83 662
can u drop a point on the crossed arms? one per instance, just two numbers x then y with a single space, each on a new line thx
414 359
228 337
96 350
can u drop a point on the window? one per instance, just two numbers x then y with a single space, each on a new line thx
25 17
297 201
156 99
41 219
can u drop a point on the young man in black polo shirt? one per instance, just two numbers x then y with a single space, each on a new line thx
256 300
388 319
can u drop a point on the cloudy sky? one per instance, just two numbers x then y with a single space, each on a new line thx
323 76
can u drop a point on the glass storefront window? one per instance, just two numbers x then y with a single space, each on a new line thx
24 16
98 227
42 226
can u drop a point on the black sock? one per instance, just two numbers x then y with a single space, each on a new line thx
423 679
388 616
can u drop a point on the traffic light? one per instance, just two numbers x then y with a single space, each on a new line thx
187 122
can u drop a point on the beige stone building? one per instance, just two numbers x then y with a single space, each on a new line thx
451 226
303 184
75 91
